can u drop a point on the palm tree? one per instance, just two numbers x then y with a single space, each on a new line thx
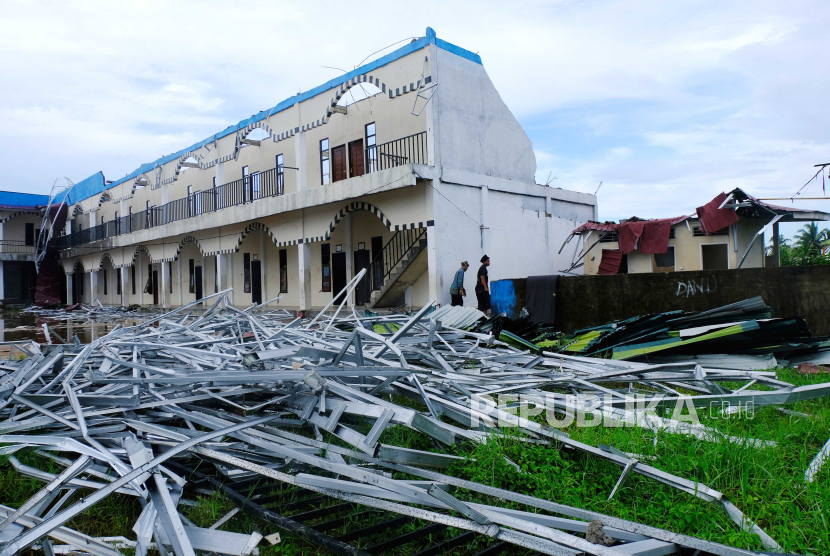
812 241
782 242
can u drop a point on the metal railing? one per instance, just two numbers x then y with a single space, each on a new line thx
16 247
270 183
406 150
260 185
392 253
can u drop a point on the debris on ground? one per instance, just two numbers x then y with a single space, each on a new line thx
225 399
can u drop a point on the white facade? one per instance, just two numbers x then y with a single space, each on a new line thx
446 181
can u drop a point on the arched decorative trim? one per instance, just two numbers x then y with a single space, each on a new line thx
185 239
139 249
19 213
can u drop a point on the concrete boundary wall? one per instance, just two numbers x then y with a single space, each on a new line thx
584 301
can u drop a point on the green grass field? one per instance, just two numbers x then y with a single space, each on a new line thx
765 483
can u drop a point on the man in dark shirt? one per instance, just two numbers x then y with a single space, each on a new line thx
483 286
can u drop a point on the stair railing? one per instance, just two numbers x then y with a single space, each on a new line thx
399 246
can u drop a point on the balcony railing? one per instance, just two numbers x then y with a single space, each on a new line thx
406 150
270 183
16 247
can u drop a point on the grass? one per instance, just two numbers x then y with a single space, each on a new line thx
765 483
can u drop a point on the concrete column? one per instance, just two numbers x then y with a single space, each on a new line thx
432 264
304 258
301 159
776 246
347 247
163 296
179 271
124 282
93 285
69 300
231 277
219 276
204 279
262 265
140 286
407 297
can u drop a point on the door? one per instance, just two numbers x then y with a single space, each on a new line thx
378 269
256 282
356 166
338 273
155 287
338 155
198 284
364 287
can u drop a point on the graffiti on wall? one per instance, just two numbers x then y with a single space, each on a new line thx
692 287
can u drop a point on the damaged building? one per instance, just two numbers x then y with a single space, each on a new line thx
405 167
725 233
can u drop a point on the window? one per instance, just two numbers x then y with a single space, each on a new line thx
133 278
325 251
609 237
192 283
117 282
671 233
30 233
105 281
246 272
170 274
117 225
325 167
664 262
280 174
283 271
102 221
216 271
255 186
148 286
371 148
246 183
130 221
191 210
697 231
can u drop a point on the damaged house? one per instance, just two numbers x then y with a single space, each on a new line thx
727 232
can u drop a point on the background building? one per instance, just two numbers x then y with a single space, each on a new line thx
21 215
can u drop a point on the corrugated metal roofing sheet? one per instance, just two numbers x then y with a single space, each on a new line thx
457 317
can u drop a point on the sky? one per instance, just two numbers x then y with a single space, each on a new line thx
665 103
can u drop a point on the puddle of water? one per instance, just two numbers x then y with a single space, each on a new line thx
16 325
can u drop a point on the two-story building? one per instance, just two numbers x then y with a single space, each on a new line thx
21 216
405 167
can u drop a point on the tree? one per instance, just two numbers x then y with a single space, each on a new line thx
810 241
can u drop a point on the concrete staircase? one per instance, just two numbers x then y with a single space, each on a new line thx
408 269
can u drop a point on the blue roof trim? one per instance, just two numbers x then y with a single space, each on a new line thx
95 184
22 200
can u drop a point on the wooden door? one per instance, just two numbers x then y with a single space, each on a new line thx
356 166
338 155
155 287
256 282
338 273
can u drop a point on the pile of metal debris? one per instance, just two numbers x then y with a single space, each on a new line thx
97 312
270 400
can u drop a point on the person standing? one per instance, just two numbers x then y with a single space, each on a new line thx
457 291
483 286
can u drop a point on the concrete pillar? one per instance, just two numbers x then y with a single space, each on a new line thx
69 300
304 258
231 277
140 285
407 297
219 276
179 272
204 279
163 296
93 285
262 264
124 283
776 246
432 263
347 247
300 160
